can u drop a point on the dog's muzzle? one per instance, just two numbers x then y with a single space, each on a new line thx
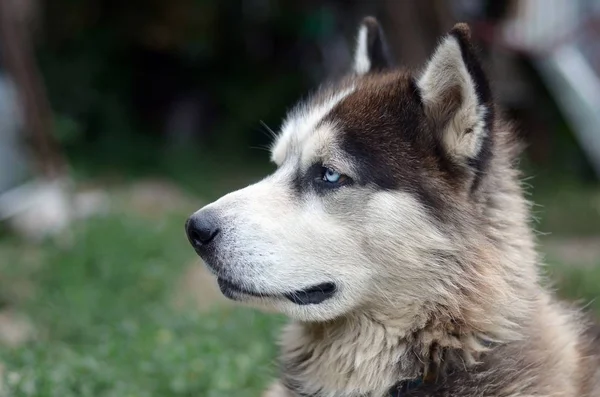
203 232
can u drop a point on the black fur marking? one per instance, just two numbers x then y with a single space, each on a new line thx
482 87
377 47
483 91
382 129
487 147
298 182
479 163
403 388
415 90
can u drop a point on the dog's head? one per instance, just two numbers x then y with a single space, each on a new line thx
374 193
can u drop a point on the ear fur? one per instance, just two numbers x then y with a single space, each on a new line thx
371 53
457 98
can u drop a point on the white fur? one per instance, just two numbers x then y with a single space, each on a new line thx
277 240
318 145
275 243
362 61
301 123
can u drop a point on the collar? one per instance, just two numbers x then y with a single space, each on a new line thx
406 386
428 376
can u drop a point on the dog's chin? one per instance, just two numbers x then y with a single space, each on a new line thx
312 295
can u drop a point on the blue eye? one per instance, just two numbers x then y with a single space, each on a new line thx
328 179
331 175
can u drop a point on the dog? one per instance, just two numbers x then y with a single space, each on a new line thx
395 235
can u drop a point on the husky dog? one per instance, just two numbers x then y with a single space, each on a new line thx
395 235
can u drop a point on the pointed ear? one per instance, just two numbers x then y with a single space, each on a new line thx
457 98
371 53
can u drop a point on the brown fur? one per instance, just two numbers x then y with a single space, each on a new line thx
542 348
494 330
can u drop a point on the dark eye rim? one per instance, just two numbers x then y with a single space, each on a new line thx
344 180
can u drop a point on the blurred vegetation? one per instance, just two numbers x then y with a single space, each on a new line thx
113 69
105 324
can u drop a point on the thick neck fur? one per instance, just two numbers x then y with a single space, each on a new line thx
491 300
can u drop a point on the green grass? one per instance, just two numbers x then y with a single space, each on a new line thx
105 325
581 285
567 208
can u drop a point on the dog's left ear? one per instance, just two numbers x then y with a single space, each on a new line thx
457 98
371 53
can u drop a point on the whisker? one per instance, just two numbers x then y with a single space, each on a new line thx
272 133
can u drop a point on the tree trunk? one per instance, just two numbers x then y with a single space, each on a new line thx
16 48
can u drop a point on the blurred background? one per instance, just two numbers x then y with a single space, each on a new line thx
120 118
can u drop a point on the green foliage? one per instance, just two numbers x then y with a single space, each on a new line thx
578 284
219 354
104 325
248 67
565 206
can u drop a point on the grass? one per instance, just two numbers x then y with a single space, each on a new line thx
566 207
105 324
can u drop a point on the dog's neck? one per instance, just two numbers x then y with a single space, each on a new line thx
366 355
341 357
369 352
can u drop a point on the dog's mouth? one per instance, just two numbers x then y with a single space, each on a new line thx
306 296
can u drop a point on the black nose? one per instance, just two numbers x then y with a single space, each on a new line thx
202 228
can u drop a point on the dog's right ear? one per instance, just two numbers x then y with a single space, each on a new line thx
457 98
371 53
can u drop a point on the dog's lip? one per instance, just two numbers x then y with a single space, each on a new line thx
313 295
227 287
307 296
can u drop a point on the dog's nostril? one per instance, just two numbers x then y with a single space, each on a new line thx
204 236
195 237
202 229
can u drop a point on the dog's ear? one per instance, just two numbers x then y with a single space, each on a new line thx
371 53
457 98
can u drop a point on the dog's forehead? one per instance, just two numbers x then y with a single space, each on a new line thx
384 113
359 109
303 129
